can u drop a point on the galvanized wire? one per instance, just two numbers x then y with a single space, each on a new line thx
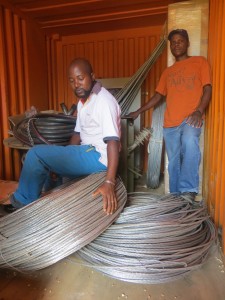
140 138
155 147
56 225
155 239
127 94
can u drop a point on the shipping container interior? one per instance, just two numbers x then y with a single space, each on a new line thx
38 40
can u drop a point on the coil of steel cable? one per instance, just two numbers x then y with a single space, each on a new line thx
45 128
57 225
154 240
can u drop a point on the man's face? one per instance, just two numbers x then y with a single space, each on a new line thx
179 45
80 80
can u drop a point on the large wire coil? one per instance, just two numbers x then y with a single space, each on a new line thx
57 225
45 128
154 240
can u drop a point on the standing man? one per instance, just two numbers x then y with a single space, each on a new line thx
94 146
187 87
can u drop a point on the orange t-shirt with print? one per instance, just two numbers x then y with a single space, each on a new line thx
182 84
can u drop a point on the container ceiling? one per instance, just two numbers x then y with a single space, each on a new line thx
69 17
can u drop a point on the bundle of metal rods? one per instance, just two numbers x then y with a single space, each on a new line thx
154 240
56 225
127 94
155 147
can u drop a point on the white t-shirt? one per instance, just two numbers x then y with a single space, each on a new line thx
98 120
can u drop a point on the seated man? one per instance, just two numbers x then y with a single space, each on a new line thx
94 146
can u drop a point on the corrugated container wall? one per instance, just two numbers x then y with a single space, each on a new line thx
214 162
23 78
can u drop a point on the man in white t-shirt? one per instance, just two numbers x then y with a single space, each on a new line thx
94 146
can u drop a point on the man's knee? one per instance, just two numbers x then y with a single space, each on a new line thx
33 154
191 142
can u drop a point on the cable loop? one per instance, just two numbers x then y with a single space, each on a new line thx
155 239
45 129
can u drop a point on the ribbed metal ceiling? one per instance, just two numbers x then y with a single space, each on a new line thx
66 17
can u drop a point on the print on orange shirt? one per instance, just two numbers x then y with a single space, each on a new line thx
182 84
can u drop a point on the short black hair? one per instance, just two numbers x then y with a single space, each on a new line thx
84 62
182 32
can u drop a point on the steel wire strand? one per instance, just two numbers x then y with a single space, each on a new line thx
147 249
155 210
68 193
132 227
141 265
141 250
154 241
56 225
173 245
152 261
139 139
191 238
133 82
117 262
126 95
140 271
155 147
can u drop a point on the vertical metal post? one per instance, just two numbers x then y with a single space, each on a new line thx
127 160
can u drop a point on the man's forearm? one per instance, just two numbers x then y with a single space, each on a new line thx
113 159
151 103
207 94
75 139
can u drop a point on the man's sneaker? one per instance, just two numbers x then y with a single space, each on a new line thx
190 197
9 208
6 209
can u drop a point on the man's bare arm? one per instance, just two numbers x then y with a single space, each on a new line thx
156 98
195 119
75 139
107 189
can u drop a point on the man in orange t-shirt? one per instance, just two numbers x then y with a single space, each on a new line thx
187 87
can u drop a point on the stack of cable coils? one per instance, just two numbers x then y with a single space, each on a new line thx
45 128
155 239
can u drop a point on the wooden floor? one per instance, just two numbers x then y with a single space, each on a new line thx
67 280
6 188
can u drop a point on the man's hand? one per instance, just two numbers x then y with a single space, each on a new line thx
133 115
195 119
156 98
75 139
109 197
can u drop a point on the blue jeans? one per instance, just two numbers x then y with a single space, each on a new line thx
182 147
66 161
